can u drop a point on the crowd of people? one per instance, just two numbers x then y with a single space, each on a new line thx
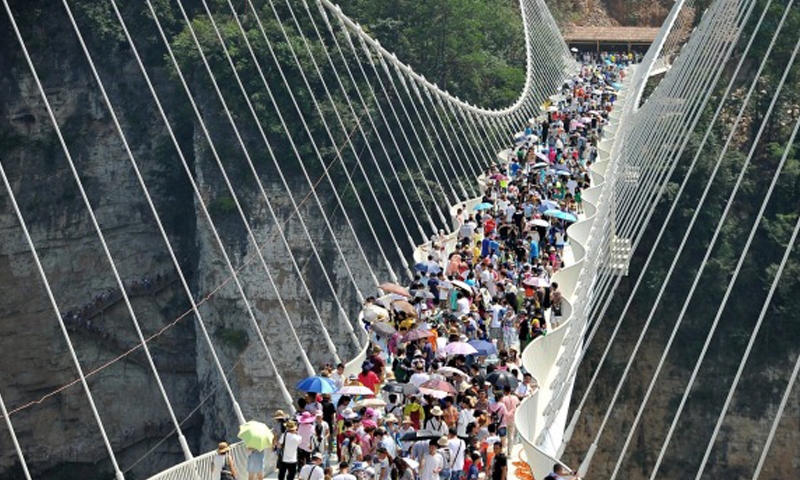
436 398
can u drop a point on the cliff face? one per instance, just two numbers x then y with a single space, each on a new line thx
60 430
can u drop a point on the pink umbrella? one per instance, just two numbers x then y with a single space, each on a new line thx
459 348
440 385
542 156
538 282
354 390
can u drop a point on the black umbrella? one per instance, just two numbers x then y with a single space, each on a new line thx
502 379
401 388
419 435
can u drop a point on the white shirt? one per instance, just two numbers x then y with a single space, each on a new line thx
431 465
290 442
497 316
312 471
457 447
344 476
465 417
523 390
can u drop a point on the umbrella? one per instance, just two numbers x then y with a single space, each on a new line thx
586 120
548 205
416 334
355 390
542 156
561 166
420 435
552 109
502 379
453 371
434 393
573 50
484 348
483 206
427 267
256 435
404 306
537 282
383 328
538 222
374 312
423 294
563 173
371 402
561 215
316 384
439 385
402 388
459 348
412 464
540 165
394 288
462 285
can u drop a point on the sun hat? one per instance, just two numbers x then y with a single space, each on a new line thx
407 421
306 417
291 426
317 456
442 442
280 415
349 414
436 411
390 418
223 448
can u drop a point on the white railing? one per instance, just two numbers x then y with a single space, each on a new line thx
201 467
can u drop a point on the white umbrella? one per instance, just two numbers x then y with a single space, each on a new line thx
374 312
538 222
462 285
449 371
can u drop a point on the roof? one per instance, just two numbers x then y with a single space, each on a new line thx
611 34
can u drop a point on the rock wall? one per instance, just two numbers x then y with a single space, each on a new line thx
58 434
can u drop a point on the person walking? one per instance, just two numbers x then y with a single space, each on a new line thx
313 470
222 465
288 446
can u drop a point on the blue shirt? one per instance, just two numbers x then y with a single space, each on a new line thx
534 251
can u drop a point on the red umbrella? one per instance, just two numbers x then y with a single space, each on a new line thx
440 385
394 288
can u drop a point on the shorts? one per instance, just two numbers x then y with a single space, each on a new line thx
502 432
496 333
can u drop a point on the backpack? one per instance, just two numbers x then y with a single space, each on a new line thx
496 417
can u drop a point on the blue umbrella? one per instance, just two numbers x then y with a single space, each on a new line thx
483 206
316 384
484 348
564 173
561 215
548 205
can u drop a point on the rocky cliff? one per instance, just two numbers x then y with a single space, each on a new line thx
57 430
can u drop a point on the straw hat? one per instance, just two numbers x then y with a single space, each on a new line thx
279 415
291 426
442 442
223 448
390 418
437 411
407 421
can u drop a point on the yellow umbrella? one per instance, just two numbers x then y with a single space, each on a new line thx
256 435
